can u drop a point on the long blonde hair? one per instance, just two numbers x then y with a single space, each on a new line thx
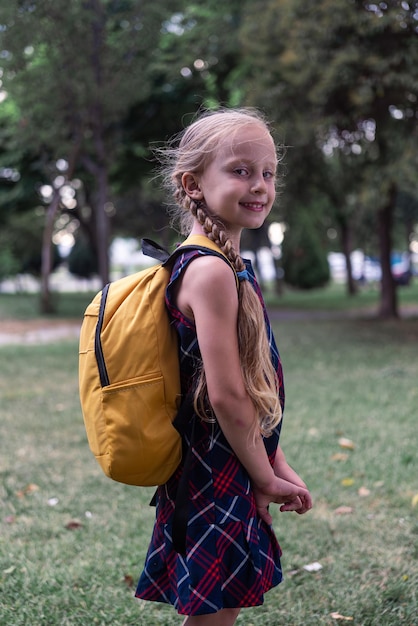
192 151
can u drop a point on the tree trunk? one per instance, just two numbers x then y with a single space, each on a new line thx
98 25
102 224
51 213
346 247
98 203
46 268
388 292
409 227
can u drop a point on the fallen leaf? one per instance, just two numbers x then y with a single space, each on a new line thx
339 456
128 580
414 501
313 567
347 482
339 616
73 525
10 519
31 488
53 501
363 492
346 443
343 510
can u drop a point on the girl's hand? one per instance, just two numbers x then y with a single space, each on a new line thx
292 497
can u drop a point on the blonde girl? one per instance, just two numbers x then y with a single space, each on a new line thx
222 173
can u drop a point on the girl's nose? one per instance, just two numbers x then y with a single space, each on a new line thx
258 184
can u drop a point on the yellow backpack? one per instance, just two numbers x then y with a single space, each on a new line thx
129 376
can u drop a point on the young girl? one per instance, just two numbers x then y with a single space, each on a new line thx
223 175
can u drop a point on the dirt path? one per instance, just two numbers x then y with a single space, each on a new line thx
37 331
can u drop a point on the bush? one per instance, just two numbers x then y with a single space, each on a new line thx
305 262
9 265
82 261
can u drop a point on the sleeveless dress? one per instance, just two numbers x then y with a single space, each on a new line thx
232 557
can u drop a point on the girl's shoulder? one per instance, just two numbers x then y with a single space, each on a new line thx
208 267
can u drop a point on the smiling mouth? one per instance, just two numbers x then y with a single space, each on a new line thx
253 206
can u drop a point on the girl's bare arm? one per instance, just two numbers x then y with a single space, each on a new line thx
208 294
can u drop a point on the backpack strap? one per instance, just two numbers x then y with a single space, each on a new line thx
181 502
193 242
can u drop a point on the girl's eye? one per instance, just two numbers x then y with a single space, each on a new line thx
269 174
241 171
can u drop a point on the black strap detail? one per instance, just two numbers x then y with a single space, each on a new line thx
154 250
181 502
98 350
184 414
181 505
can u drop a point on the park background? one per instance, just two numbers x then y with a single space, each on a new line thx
87 88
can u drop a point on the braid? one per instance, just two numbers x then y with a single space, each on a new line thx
216 232
191 151
260 378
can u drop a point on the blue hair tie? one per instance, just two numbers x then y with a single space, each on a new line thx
243 275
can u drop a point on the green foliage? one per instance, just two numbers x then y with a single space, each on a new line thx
304 257
75 70
9 265
19 170
91 57
82 261
21 242
73 67
338 79
198 64
342 79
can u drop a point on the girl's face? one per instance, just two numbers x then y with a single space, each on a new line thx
238 185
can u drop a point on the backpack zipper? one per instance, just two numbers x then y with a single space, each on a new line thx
98 350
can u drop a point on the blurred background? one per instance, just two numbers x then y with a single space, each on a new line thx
88 87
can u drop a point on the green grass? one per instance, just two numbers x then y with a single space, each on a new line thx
25 306
335 298
72 543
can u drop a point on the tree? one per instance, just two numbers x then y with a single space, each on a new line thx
304 259
343 75
198 64
73 69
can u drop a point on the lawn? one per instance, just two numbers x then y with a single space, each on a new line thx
72 542
25 306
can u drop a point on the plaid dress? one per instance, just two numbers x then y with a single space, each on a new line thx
232 557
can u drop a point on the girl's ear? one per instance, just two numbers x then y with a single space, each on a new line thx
191 186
